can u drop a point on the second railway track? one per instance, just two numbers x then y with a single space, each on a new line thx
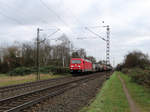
20 102
12 90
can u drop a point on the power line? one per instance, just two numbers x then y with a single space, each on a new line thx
95 33
16 11
107 40
68 9
59 17
54 32
13 19
46 6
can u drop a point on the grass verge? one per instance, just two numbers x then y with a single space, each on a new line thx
139 93
111 98
6 80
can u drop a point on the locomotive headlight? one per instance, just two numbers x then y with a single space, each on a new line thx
72 66
79 66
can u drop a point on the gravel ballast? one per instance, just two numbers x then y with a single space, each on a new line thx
72 100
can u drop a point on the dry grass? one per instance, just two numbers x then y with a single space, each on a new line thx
10 80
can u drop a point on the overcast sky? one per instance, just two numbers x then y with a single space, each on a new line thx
129 22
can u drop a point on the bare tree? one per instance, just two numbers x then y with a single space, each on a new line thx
136 59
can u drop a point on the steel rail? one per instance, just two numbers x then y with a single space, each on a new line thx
9 90
62 87
28 83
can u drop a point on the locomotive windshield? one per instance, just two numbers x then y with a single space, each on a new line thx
76 61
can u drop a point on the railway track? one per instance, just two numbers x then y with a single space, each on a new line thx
12 90
20 102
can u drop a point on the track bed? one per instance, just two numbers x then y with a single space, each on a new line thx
35 100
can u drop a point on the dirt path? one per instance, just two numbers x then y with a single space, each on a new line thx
132 104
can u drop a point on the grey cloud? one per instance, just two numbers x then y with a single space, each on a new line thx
128 19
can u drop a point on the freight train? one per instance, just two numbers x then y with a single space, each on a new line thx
80 65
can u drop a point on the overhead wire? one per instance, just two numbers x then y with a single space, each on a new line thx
16 11
51 10
77 20
59 17
11 18
65 22
95 33
67 9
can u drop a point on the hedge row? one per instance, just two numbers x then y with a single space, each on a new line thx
47 69
139 75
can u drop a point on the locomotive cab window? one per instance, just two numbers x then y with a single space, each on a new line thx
76 61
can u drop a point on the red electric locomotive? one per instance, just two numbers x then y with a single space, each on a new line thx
79 65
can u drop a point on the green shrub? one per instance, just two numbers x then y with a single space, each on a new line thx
140 76
20 71
60 70
125 70
147 68
46 69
